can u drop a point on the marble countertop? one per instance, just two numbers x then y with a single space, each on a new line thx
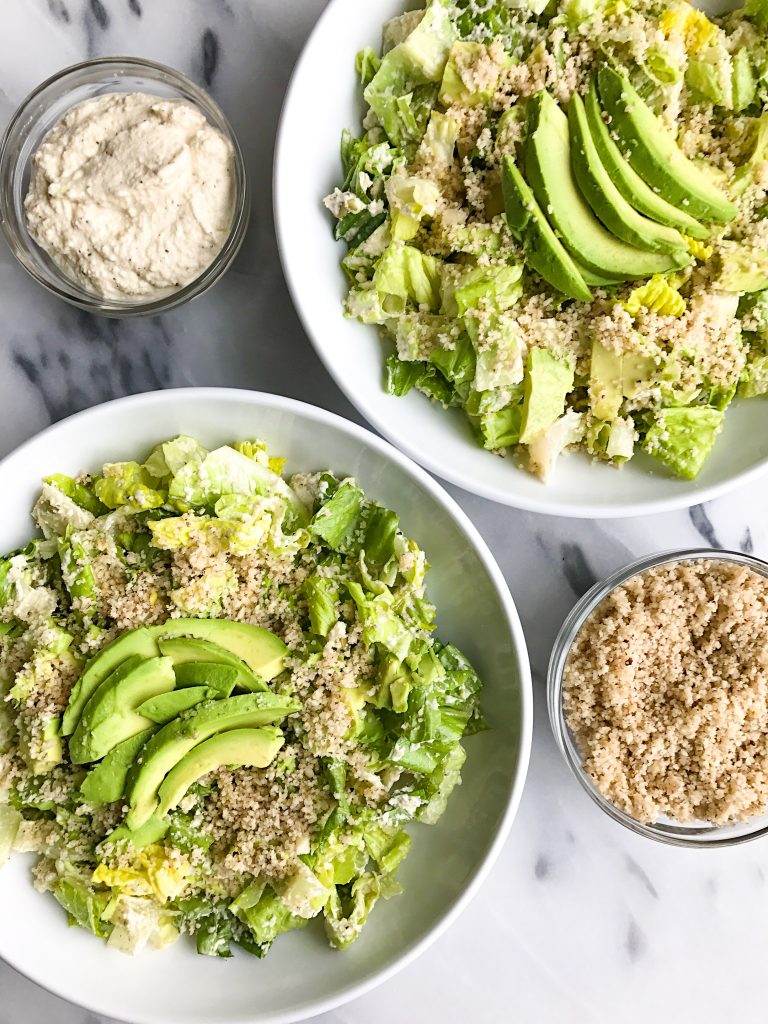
579 920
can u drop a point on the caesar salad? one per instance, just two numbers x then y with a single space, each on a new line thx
222 700
555 213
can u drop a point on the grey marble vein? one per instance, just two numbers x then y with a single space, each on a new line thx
638 872
635 942
703 525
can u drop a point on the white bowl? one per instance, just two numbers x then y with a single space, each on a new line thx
323 98
301 976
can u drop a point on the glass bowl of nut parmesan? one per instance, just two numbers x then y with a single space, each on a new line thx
658 696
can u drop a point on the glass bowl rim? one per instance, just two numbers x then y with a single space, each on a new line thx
681 836
89 302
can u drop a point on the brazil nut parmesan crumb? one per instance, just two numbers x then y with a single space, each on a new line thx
262 819
666 692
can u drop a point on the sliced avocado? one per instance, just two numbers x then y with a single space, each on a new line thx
252 748
548 380
167 706
106 782
548 169
637 370
262 651
613 377
605 395
543 249
653 153
139 643
742 268
41 749
222 678
628 181
7 723
175 740
110 716
607 202
599 280
152 831
186 650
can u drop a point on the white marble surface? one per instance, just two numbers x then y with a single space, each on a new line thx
578 921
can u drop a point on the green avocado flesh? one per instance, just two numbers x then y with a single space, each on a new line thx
140 643
548 167
543 249
628 181
188 650
654 154
612 378
168 746
185 649
598 280
607 202
152 831
168 706
252 748
111 715
221 678
262 651
106 782
548 381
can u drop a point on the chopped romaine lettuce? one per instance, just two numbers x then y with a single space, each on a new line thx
175 538
83 905
683 438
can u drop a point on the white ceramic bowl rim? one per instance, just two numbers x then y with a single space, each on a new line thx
321 416
436 457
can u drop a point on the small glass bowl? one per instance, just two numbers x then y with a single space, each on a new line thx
694 834
34 119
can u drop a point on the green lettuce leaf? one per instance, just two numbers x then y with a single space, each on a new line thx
10 820
401 93
170 457
77 492
348 908
337 520
683 438
226 471
84 907
405 274
127 484
270 918
322 597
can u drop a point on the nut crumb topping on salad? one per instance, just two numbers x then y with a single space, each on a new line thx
221 700
586 179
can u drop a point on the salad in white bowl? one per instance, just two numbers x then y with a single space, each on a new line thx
276 701
222 699
555 214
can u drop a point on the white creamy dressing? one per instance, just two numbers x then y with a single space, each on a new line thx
132 195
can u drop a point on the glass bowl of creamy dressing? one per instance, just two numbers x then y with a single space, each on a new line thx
122 187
